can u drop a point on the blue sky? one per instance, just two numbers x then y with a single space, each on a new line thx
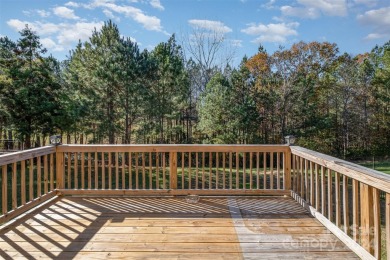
356 26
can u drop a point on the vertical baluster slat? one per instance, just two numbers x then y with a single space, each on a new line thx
89 171
377 223
23 181
117 170
355 210
31 179
4 190
45 174
337 198
345 205
14 186
271 168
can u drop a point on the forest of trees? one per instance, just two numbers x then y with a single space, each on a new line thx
110 91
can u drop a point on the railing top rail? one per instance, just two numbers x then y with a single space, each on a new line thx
172 148
26 154
363 174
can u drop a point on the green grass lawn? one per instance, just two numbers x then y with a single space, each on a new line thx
383 166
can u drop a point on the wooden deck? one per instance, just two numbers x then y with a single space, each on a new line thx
171 228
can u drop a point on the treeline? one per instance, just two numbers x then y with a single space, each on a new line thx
110 91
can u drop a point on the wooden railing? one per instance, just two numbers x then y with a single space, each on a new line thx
27 179
174 169
351 201
346 198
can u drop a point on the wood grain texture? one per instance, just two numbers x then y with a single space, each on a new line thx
170 228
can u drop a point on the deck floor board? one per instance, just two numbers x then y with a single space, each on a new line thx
170 228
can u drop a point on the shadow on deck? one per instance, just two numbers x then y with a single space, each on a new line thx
171 228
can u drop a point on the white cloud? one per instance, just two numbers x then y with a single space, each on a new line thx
310 12
151 23
379 20
366 2
43 13
65 12
236 43
49 44
66 34
73 32
156 4
269 5
72 4
214 26
313 8
110 15
276 33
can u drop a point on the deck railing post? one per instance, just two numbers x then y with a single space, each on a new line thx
367 217
60 169
173 170
287 169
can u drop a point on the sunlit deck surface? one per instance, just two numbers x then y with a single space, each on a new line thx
171 228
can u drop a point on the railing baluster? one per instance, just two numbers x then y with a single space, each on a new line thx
136 171
346 205
68 171
203 170
39 178
216 170
301 177
367 217
257 170
317 188
189 170
130 172
82 170
150 161
31 179
306 181
355 210
89 171
163 168
23 181
173 170
96 171
323 194
124 170
197 170
294 173
103 165
337 195
182 170
278 170
237 170
4 190
330 196
210 170
117 170
76 170
265 170
157 171
271 167
224 168
231 170
377 223
45 174
312 176
14 186
244 170
250 170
